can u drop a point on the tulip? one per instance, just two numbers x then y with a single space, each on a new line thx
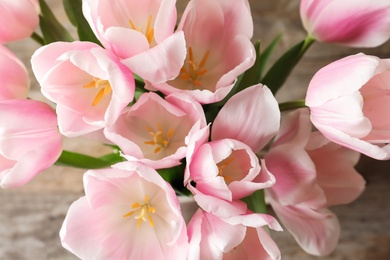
96 88
219 49
154 130
29 140
14 76
347 99
128 212
18 20
213 237
354 23
141 34
226 169
311 174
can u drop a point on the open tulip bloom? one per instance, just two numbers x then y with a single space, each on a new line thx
188 110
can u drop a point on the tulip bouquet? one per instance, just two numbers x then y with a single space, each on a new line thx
187 106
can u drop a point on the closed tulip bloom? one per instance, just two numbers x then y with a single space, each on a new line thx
18 19
347 100
354 23
29 140
213 237
15 82
312 174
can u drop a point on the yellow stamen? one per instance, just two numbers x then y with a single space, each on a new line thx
159 138
98 83
144 212
149 32
222 165
192 71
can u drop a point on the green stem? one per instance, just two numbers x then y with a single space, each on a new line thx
37 38
83 161
292 105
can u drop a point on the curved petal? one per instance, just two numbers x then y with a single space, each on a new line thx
342 77
15 82
317 232
251 116
162 62
358 23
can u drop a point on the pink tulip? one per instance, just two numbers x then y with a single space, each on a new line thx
212 237
154 130
141 34
18 19
89 85
219 49
15 82
347 99
29 140
311 174
128 212
251 116
355 23
226 169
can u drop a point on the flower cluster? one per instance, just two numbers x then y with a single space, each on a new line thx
189 112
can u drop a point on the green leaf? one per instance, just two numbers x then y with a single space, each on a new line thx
73 9
252 75
83 161
175 176
256 202
52 29
279 72
296 104
265 56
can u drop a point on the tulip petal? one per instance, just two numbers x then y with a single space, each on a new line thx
162 62
251 116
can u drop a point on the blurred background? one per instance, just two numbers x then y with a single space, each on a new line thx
31 216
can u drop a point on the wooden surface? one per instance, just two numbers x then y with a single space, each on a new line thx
31 216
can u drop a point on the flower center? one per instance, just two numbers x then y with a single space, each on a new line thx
142 212
149 32
222 165
192 70
105 89
159 138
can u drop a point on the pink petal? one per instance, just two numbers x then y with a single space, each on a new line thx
317 232
342 77
14 76
162 62
251 116
353 23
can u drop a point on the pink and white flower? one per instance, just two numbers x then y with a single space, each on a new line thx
227 168
141 34
355 23
213 237
89 85
29 140
18 19
15 82
154 130
219 49
128 212
347 99
312 173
